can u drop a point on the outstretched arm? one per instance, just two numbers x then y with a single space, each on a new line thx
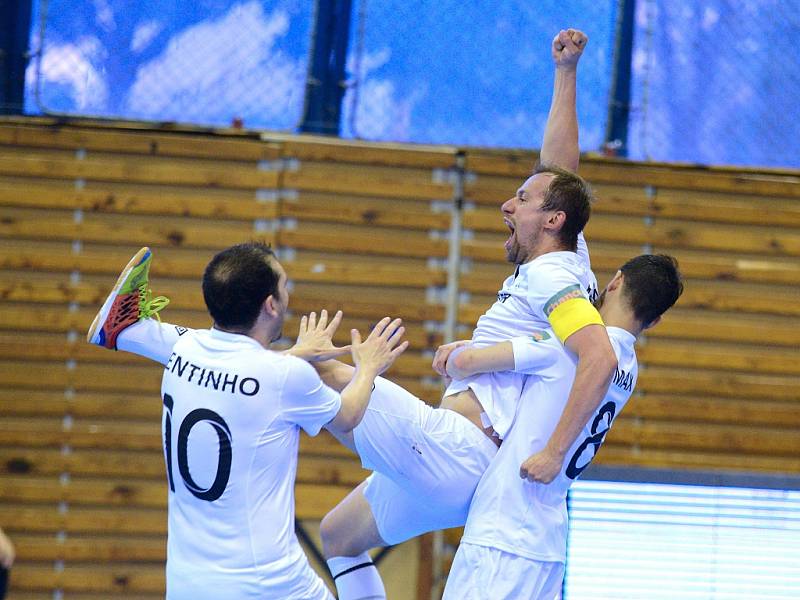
560 145
315 338
528 354
371 358
468 360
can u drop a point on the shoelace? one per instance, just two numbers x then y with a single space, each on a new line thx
150 306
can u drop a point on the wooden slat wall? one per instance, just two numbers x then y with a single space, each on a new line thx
360 232
81 483
361 227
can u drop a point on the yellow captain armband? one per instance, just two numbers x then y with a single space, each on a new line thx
569 310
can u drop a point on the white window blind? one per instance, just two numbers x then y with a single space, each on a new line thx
651 541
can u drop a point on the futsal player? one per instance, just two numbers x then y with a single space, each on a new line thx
515 538
427 461
537 232
233 410
550 286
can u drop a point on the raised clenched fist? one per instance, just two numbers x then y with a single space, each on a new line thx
568 46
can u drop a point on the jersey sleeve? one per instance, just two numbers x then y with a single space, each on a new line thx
305 400
556 296
583 252
535 352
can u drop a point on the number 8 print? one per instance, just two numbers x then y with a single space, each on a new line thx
605 415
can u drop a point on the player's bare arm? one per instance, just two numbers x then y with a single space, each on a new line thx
596 364
467 360
443 353
315 345
560 145
527 354
371 358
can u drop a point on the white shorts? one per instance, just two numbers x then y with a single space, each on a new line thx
428 462
483 573
295 580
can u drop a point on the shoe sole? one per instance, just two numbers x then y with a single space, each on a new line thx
95 329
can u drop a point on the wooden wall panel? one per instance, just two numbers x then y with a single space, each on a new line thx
82 474
361 227
356 229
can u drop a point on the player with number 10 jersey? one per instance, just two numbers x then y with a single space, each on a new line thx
231 422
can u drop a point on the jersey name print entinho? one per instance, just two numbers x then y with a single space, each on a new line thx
231 423
530 519
520 309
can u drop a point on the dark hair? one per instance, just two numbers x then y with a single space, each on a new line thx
653 283
236 283
569 193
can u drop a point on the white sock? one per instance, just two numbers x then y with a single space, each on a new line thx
150 338
356 578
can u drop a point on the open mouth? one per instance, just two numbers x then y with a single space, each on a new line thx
510 226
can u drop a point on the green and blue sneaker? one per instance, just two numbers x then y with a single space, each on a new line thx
129 301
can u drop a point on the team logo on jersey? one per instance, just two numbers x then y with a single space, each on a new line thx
503 296
540 336
568 293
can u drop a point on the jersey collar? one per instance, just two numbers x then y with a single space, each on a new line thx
623 334
567 255
218 334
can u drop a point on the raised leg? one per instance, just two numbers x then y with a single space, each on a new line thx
348 531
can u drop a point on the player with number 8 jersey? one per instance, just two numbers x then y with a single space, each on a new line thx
515 536
531 520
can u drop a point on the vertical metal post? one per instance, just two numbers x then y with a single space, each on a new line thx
425 570
15 29
454 251
337 79
564 579
620 103
458 177
325 83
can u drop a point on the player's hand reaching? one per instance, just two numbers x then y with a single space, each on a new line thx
567 48
542 467
443 353
315 338
382 346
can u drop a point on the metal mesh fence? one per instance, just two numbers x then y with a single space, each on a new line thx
443 71
713 81
212 63
716 82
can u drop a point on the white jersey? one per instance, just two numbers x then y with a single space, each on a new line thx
231 422
529 519
523 306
